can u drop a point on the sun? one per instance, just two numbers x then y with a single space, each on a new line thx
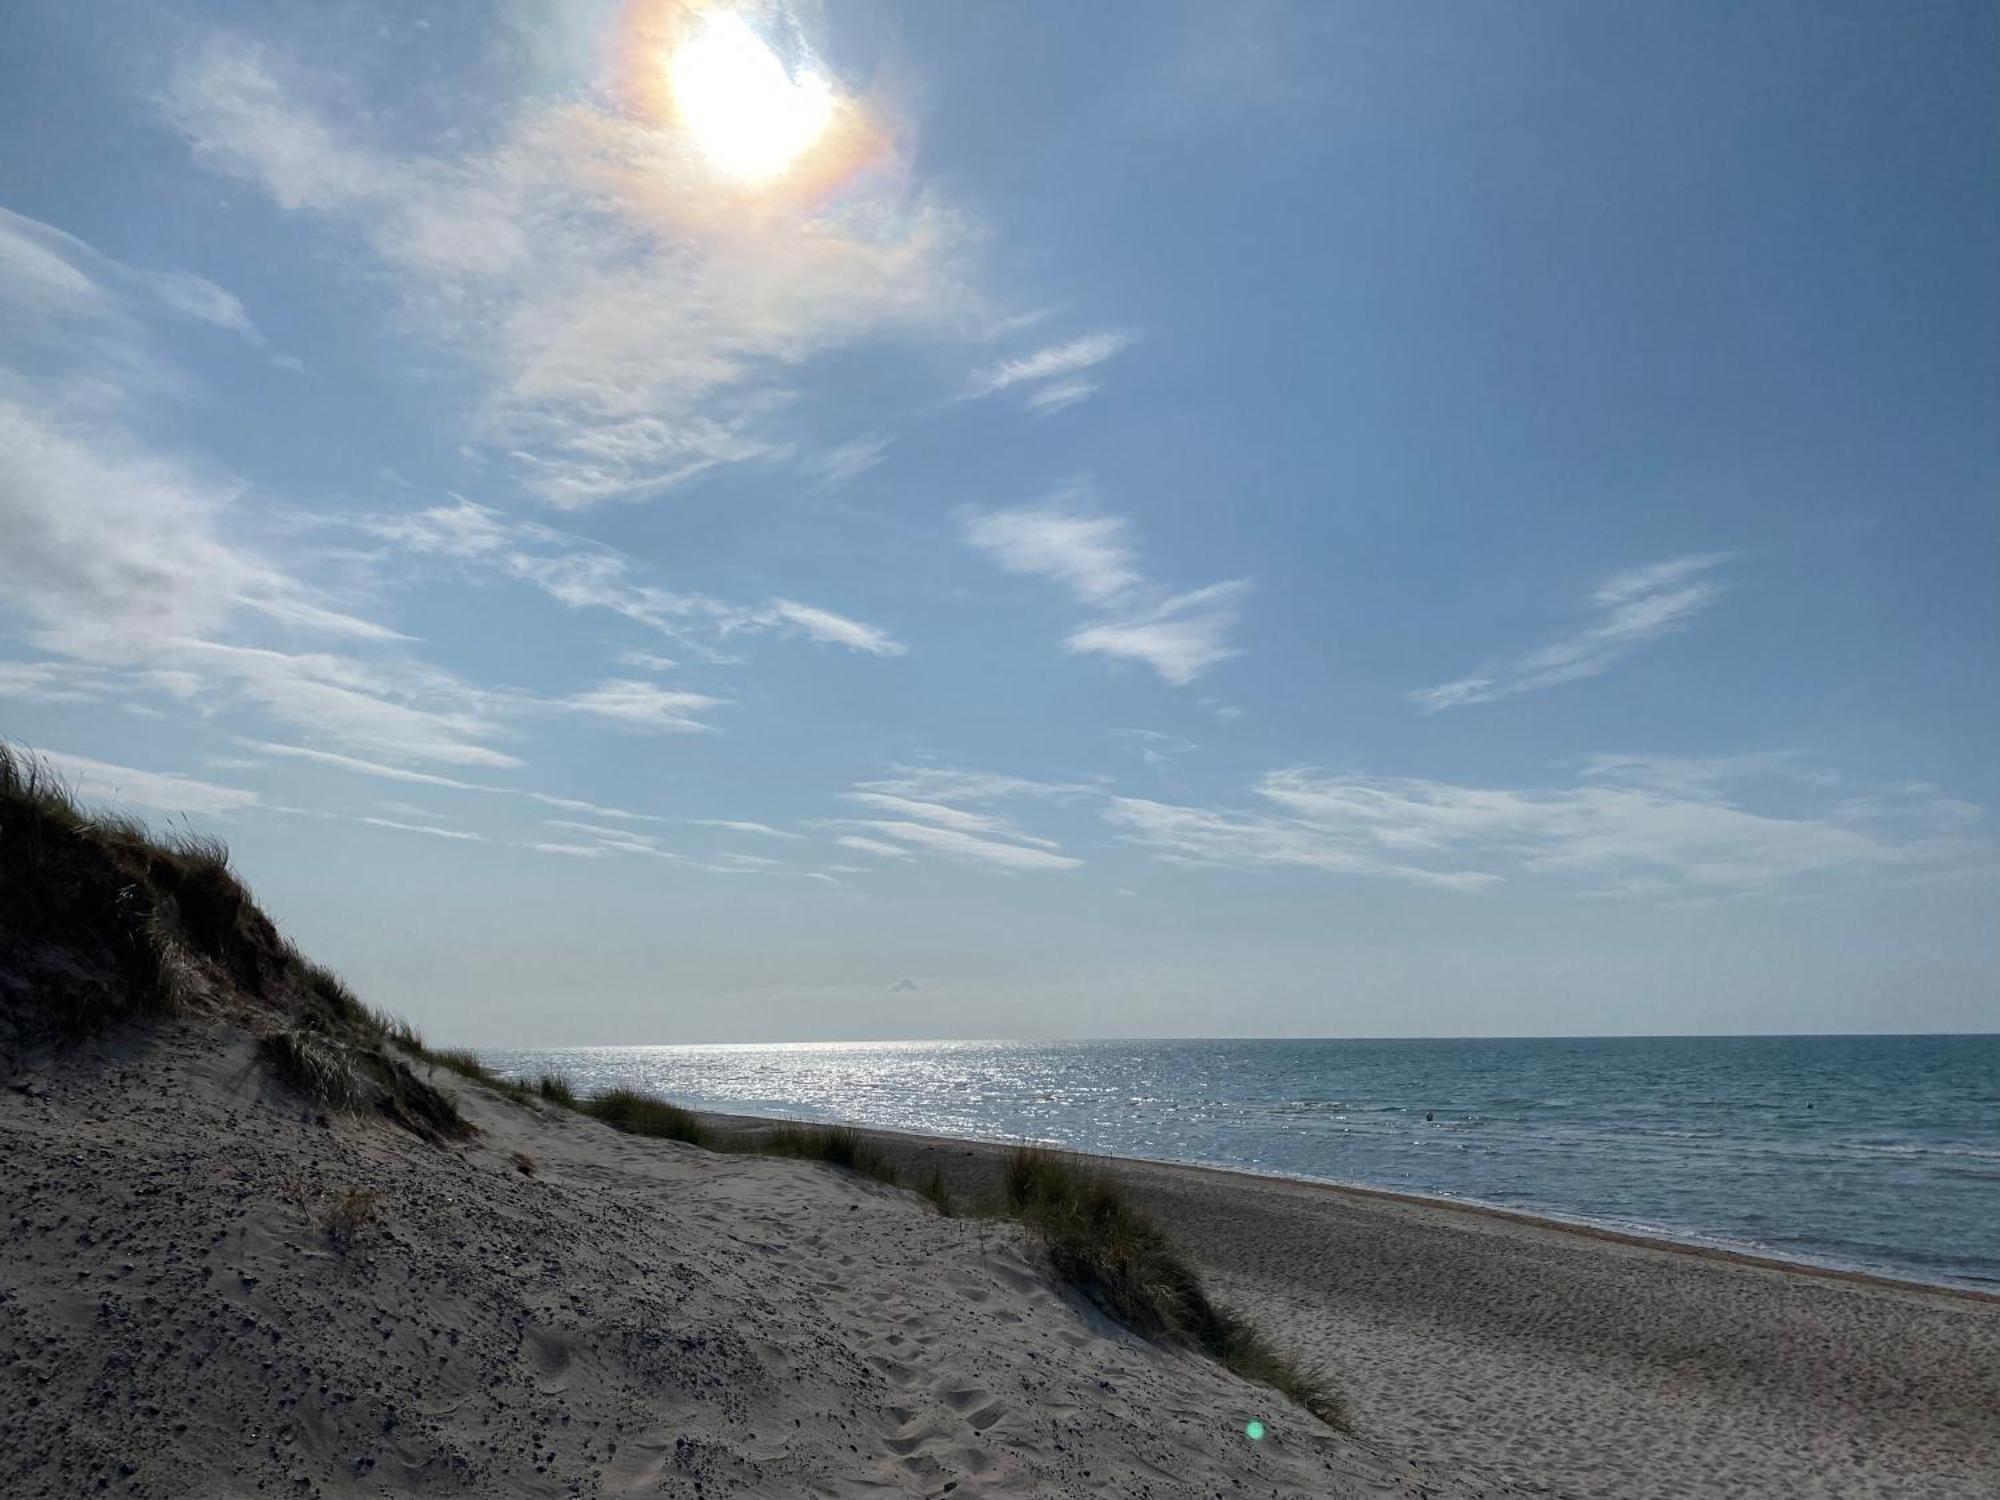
751 117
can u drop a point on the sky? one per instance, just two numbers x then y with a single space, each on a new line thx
679 523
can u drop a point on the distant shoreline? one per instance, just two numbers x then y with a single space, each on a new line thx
1587 1228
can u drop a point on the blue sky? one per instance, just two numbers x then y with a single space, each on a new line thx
653 523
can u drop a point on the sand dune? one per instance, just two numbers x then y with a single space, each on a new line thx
1582 1364
635 1317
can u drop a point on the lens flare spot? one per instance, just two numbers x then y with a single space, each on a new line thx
750 115
1254 1431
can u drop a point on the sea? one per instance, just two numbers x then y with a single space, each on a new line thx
1877 1153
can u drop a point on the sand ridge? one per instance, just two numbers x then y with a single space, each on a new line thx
626 1317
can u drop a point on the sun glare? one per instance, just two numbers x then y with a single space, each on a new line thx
750 117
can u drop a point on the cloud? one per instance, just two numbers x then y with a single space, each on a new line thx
618 840
1631 609
102 781
581 574
571 851
425 778
1690 835
923 816
947 817
839 467
55 278
904 986
1089 555
1179 635
110 549
862 844
826 626
1156 748
735 825
55 682
427 828
400 709
1051 373
646 705
1058 395
949 784
631 321
137 565
967 846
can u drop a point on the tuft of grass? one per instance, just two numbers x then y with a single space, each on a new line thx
1100 1242
345 1070
837 1145
317 1064
349 1215
466 1064
638 1113
556 1089
937 1192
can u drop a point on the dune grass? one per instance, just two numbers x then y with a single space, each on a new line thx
638 1113
1100 1242
556 1089
935 1191
836 1145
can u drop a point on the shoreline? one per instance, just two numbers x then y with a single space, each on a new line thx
1539 1219
1561 1358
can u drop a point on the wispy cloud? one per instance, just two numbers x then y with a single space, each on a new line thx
362 767
1179 635
880 848
958 819
966 846
140 565
831 629
925 815
1625 831
646 705
1629 610
1053 375
484 544
591 269
102 781
736 825
839 467
568 851
425 828
1155 747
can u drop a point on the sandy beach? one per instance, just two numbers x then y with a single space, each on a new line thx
557 1309
191 1306
1580 1363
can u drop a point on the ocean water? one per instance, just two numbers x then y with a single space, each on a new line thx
1879 1153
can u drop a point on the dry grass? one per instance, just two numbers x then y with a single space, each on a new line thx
837 1145
937 1192
350 1216
1118 1257
638 1113
556 1089
318 1065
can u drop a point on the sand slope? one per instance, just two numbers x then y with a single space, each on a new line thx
1560 1360
636 1317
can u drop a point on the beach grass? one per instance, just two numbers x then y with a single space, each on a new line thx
556 1089
836 1145
638 1113
934 1190
1120 1258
